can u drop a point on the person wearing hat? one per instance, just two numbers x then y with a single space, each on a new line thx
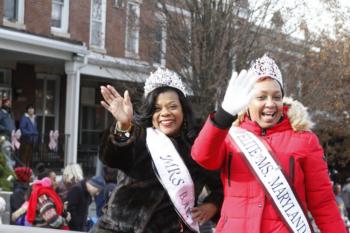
7 123
45 207
79 197
20 188
271 162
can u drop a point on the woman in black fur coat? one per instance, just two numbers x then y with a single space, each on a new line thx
141 203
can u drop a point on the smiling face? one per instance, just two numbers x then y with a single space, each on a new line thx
266 105
168 114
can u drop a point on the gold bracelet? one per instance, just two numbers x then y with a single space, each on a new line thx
118 130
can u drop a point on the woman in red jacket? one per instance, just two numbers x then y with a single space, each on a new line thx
273 169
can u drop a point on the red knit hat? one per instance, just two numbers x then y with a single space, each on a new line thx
23 174
5 101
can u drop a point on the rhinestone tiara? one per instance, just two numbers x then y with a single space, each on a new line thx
266 66
163 77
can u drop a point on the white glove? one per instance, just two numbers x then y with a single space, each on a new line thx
239 92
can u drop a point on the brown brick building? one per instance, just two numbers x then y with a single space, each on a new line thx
55 54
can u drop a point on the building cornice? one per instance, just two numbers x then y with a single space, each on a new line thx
33 44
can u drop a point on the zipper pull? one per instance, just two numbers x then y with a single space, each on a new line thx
291 169
229 168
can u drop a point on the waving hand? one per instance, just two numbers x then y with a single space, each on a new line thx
239 92
120 107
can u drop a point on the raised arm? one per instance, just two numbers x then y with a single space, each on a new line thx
118 141
209 147
120 107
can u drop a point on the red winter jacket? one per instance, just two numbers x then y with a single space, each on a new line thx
246 208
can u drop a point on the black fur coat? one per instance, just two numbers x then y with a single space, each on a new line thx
139 204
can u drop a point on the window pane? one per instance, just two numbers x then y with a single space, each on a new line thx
10 9
39 96
132 42
50 97
39 121
5 92
97 24
5 78
92 124
132 29
97 10
132 16
49 125
93 118
96 33
56 13
158 43
45 105
91 138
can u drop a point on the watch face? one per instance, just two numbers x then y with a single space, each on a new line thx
122 136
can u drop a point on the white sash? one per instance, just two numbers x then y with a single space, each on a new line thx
270 175
173 174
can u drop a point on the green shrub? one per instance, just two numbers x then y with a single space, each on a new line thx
5 172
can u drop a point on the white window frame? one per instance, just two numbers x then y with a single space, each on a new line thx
99 48
119 3
19 23
45 77
161 18
133 54
63 30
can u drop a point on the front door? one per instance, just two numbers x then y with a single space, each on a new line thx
93 119
47 104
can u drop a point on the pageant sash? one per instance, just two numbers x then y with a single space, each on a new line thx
173 174
271 177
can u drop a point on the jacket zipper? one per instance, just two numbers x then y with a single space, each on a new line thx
263 132
291 169
229 169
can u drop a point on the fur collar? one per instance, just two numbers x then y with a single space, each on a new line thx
296 112
298 115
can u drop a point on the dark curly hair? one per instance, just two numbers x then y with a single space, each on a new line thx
143 118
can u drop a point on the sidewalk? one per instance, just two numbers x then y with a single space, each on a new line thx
21 229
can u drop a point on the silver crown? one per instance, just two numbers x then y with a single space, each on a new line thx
266 66
163 77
